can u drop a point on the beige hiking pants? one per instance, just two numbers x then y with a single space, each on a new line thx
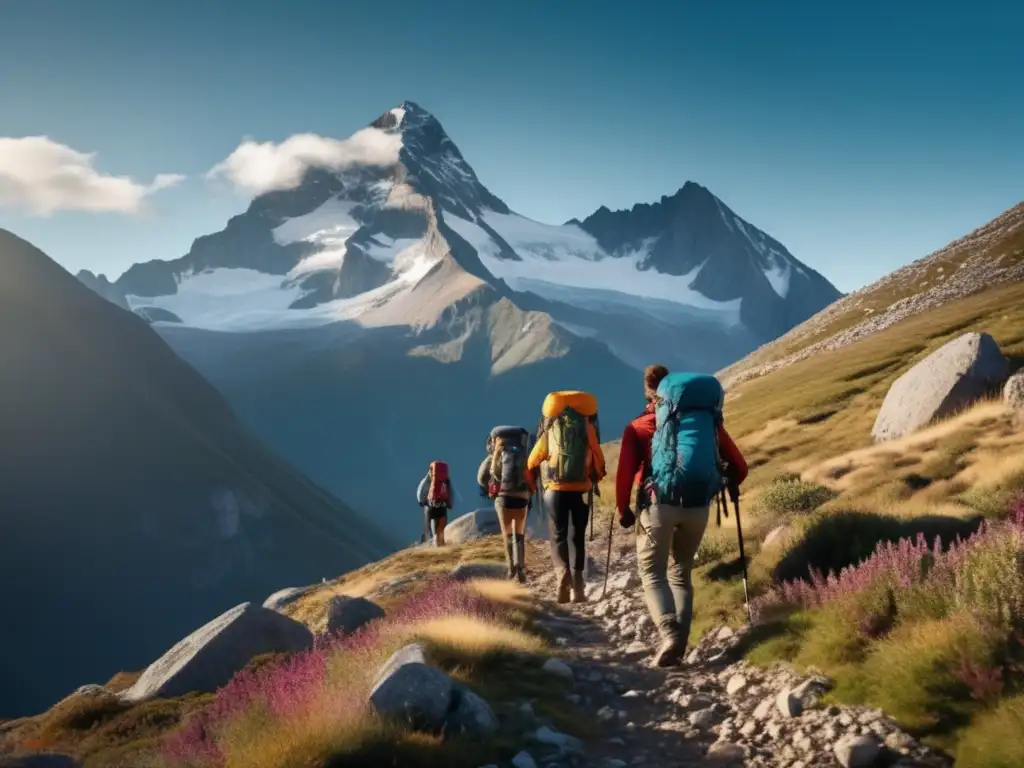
666 542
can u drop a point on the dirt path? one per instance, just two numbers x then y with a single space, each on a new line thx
714 710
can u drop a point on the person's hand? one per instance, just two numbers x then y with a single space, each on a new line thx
627 518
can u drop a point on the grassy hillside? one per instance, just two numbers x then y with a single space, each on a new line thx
931 636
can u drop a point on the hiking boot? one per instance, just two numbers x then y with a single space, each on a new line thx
579 594
673 644
520 558
564 587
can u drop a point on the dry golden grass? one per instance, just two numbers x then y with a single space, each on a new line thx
475 636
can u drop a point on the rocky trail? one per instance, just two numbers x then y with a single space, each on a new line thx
714 710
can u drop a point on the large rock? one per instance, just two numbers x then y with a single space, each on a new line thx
951 378
346 614
856 751
210 656
477 524
1013 392
469 714
284 597
408 690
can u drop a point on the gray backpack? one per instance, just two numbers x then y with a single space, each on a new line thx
509 448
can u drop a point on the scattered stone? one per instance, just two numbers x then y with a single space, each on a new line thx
725 753
632 694
347 614
736 684
605 714
614 762
524 760
526 710
470 714
574 698
637 648
856 751
788 704
750 728
209 657
898 741
563 741
725 633
477 524
810 691
764 710
702 718
558 669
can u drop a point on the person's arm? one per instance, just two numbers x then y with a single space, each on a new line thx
596 454
731 453
483 473
421 491
630 457
539 454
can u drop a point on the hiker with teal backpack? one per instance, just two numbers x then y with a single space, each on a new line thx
676 453
568 456
505 479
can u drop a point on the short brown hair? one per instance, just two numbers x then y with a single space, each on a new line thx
653 374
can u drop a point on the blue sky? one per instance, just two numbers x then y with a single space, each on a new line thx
860 135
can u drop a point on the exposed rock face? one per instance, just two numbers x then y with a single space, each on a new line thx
210 656
951 378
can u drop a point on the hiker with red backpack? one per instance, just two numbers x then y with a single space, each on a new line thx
676 453
505 479
435 497
571 464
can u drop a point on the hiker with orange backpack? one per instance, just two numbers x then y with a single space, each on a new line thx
675 454
571 464
435 496
505 479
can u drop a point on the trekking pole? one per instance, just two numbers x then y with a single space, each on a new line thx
590 510
426 526
608 557
734 494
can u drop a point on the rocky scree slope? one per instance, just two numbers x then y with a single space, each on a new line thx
714 710
134 503
991 255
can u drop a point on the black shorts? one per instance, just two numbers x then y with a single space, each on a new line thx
436 513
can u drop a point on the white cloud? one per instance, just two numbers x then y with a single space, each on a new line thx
41 177
258 167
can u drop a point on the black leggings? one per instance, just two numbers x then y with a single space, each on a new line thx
565 507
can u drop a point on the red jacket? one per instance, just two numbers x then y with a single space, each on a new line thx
636 454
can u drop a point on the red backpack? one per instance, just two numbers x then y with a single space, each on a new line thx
439 490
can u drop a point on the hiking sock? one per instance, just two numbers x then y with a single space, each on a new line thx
579 594
510 558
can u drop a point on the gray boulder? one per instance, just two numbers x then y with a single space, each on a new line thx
469 714
1013 392
951 378
346 614
468 571
210 656
856 751
410 691
284 597
477 524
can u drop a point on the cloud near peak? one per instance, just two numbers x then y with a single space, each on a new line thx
41 176
257 167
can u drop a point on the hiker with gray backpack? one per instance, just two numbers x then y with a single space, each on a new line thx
569 458
679 456
505 479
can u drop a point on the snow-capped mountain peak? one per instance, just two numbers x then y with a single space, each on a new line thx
345 242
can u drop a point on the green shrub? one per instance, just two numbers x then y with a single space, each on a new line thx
712 549
994 738
789 495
